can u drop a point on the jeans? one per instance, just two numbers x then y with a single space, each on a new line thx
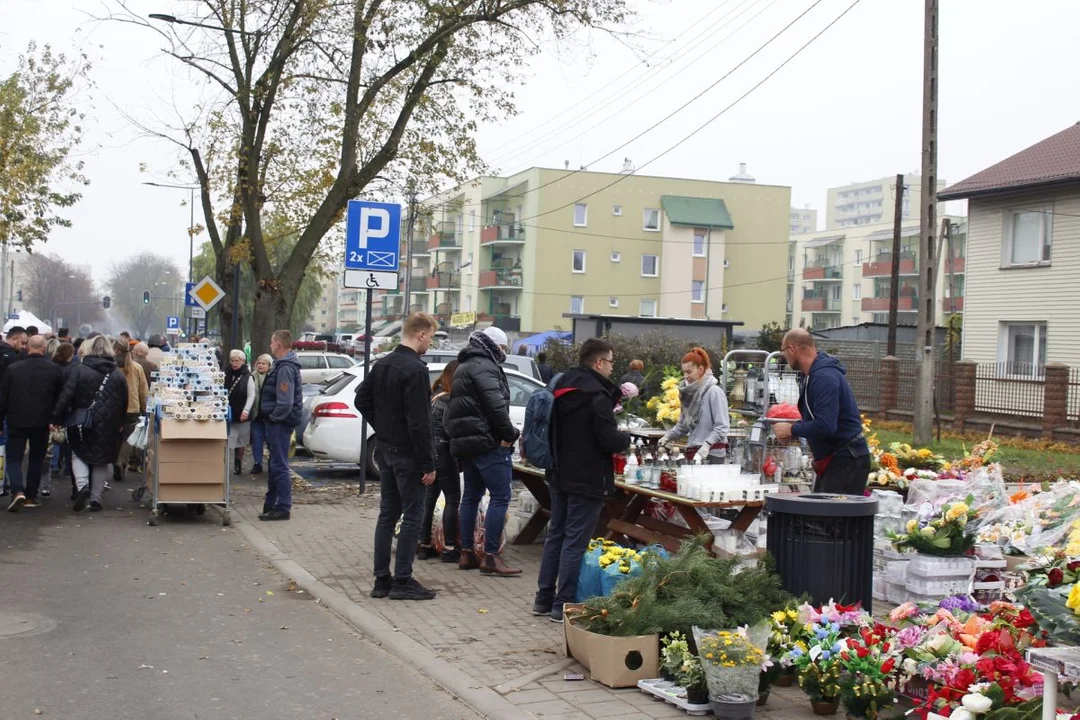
573 520
447 482
279 482
491 471
402 496
95 475
258 439
38 438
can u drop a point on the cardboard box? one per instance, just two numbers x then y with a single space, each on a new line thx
203 493
193 430
614 661
191 451
191 473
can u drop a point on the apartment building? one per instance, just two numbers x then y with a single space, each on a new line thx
872 202
324 313
803 220
839 278
522 251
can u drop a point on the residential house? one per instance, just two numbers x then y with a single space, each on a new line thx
1022 295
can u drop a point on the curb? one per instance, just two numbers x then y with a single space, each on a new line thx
483 700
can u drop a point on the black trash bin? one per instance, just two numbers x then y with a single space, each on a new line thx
823 545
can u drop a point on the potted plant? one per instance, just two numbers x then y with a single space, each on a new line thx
786 629
770 671
816 660
691 676
673 649
867 677
944 532
733 662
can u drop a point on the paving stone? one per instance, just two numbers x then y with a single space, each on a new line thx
523 697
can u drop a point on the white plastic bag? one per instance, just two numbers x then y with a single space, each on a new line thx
139 436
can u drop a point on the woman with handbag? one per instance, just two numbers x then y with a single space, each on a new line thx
91 407
258 426
138 389
241 389
447 479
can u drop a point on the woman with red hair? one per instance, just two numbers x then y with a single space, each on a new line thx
703 420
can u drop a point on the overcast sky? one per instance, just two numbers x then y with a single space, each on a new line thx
846 109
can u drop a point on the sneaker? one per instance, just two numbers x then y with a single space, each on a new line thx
17 502
450 555
556 614
275 515
426 552
95 506
410 590
108 486
81 498
256 469
540 610
46 493
382 586
31 504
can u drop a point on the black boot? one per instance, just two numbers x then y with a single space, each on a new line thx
236 467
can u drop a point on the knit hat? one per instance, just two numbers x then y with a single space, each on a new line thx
497 336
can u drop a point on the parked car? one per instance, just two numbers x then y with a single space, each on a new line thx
334 430
519 363
317 367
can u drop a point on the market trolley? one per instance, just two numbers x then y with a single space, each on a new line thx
187 463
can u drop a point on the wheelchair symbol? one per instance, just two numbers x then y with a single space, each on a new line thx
372 282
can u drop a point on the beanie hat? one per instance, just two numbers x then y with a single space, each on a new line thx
496 335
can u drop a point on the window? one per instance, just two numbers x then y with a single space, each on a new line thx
652 219
577 305
1027 236
616 257
858 257
647 308
699 243
338 362
854 319
311 362
838 292
856 291
616 210
650 265
472 220
697 291
581 214
469 265
520 390
613 302
579 261
1022 349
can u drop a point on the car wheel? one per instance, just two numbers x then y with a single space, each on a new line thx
371 463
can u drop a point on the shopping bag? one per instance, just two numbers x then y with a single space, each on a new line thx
139 436
588 584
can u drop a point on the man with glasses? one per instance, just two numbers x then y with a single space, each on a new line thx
830 418
584 435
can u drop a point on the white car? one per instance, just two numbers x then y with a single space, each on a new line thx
317 366
334 430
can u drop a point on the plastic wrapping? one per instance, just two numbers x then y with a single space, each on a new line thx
985 485
742 679
1039 521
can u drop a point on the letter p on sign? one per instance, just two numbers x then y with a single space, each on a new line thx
374 224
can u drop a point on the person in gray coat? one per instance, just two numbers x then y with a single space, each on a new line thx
704 417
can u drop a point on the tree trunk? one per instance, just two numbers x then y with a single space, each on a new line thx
273 309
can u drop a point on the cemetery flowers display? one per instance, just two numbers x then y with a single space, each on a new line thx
939 532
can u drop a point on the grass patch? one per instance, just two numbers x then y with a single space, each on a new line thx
1021 460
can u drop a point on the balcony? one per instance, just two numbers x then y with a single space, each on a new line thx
500 279
420 249
953 305
906 303
444 281
882 266
507 234
821 303
824 272
503 321
444 241
954 265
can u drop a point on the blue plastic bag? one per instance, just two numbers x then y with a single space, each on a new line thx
588 584
611 576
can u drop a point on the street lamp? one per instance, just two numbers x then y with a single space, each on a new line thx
178 21
191 222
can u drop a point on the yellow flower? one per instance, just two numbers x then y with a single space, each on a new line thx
956 511
779 616
928 531
912 525
924 453
1074 599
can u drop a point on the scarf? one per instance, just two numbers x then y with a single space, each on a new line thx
690 395
483 342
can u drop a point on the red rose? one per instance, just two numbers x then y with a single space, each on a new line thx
1024 619
862 652
964 678
888 665
1074 566
1055 577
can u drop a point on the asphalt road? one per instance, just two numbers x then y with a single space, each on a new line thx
103 617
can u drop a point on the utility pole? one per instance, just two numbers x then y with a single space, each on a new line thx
408 250
894 282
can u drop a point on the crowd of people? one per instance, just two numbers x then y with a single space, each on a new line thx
68 406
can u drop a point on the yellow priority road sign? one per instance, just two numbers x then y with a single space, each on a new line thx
207 293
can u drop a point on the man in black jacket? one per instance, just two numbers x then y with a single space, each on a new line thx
11 350
28 392
584 435
395 398
482 436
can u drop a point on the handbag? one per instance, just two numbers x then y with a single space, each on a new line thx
82 419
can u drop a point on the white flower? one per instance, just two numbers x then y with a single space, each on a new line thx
961 714
910 666
977 704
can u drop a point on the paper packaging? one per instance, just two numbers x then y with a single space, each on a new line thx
191 473
193 430
183 452
192 493
611 660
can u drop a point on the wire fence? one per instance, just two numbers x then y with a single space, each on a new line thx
1006 389
1073 400
864 376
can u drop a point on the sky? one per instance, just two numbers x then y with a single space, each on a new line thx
845 109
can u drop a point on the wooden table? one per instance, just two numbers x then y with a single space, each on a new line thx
625 516
533 480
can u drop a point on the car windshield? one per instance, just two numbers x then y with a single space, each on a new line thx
337 384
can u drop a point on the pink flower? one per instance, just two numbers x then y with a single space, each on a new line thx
903 612
909 637
618 408
629 390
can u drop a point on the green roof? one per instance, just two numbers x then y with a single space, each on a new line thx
696 212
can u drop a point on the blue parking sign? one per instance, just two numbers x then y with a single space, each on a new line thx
172 323
372 236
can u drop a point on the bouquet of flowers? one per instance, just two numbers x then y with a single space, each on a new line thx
630 402
817 662
918 459
867 680
941 532
733 659
667 406
981 455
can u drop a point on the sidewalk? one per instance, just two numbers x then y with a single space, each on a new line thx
477 638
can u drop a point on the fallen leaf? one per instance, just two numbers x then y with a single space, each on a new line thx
269 592
39 711
146 667
284 627
482 611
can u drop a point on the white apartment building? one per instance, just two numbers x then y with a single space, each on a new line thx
872 202
803 220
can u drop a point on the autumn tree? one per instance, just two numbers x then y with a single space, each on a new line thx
133 277
53 287
321 101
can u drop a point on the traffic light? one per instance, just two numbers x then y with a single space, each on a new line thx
106 302
146 297
18 295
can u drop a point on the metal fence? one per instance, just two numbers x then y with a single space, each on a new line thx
1001 390
944 386
864 376
1073 402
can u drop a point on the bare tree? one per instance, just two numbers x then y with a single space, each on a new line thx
53 288
129 282
321 101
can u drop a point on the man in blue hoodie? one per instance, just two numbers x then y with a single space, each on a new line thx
830 418
280 407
